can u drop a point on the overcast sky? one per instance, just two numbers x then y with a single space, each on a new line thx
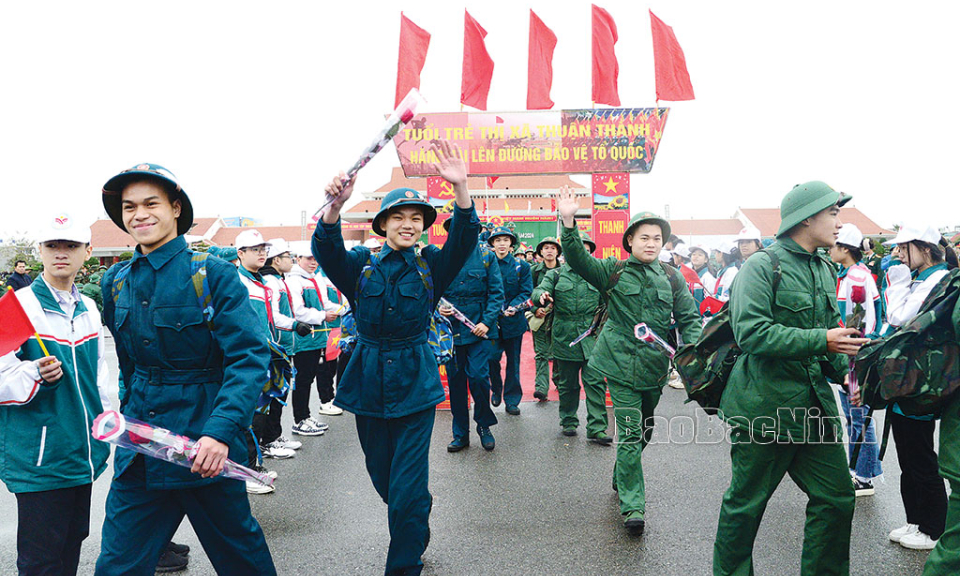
254 105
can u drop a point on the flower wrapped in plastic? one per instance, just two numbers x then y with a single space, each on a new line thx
162 444
404 113
645 334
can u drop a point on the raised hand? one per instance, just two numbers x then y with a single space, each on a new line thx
568 205
450 164
340 194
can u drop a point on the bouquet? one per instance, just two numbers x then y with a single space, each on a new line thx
444 303
162 444
525 305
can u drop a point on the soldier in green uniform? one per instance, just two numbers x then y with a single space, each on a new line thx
574 303
638 289
783 413
547 252
92 290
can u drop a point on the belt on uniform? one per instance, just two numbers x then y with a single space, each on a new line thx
386 344
155 375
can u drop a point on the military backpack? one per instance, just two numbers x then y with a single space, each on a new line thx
705 365
918 366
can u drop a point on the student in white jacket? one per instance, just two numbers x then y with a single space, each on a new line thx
48 458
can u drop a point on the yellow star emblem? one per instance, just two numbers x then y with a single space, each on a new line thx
611 185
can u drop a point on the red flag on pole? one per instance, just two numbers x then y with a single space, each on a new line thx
477 65
605 66
540 64
673 80
414 42
333 345
16 327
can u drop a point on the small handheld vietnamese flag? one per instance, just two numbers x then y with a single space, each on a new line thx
333 350
16 327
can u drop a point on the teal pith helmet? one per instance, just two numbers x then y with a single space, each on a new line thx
645 218
399 198
502 231
806 200
111 193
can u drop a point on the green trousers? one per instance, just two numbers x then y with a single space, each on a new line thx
542 354
633 412
945 558
820 470
567 375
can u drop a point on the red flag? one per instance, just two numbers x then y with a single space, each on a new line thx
673 81
605 67
477 65
333 350
540 64
414 42
16 328
491 180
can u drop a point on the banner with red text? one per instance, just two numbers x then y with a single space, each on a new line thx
537 142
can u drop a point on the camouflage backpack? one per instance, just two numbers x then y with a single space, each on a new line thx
705 365
917 367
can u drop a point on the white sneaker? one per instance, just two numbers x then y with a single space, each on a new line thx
899 533
275 450
306 427
918 541
258 488
288 443
318 424
265 472
329 409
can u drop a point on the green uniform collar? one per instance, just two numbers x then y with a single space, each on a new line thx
409 254
930 271
248 274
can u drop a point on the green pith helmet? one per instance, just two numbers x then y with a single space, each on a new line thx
585 238
404 197
645 218
806 200
114 187
549 240
502 231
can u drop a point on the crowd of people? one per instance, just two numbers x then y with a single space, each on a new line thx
213 344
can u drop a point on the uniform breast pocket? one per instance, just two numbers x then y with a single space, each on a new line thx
370 301
182 332
121 321
793 308
413 299
665 304
476 282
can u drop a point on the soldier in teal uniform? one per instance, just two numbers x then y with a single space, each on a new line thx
392 381
639 289
477 291
517 287
783 412
547 252
194 370
575 301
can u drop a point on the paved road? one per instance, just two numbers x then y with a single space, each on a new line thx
540 503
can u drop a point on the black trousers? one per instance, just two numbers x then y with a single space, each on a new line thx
51 526
310 365
267 426
921 487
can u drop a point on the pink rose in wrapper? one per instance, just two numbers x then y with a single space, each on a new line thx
858 294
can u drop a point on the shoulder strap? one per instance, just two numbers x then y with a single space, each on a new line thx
198 272
366 271
775 261
423 269
673 276
123 268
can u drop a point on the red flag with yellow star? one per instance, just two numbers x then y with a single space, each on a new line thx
611 191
